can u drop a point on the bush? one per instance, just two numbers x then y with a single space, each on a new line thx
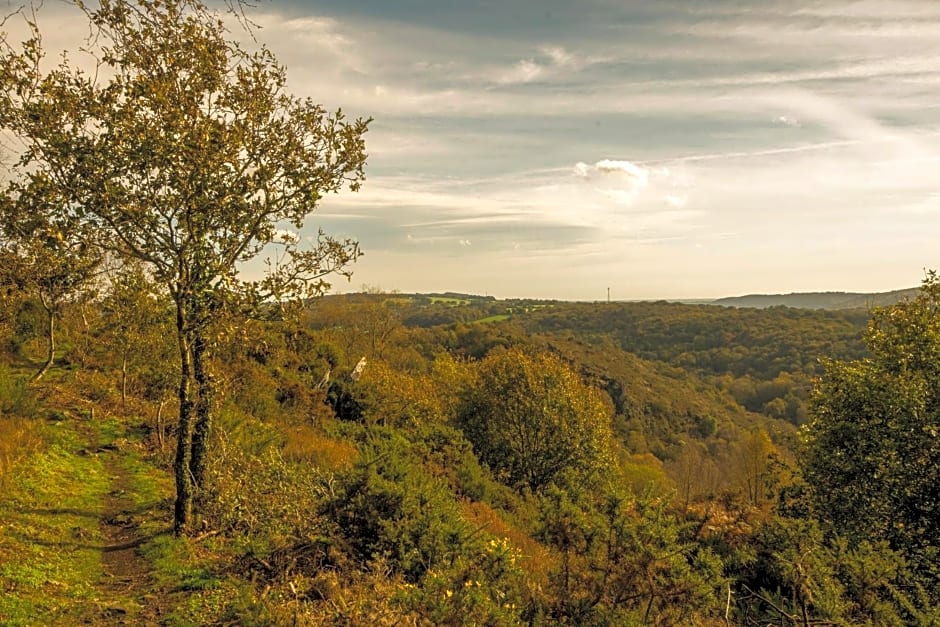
16 397
387 507
252 491
532 420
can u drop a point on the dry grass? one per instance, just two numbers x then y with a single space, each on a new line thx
536 559
308 445
19 438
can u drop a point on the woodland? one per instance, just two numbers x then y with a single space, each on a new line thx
180 446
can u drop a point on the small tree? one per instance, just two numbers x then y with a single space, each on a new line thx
533 420
190 157
49 261
136 320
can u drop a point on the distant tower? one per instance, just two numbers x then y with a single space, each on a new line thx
608 295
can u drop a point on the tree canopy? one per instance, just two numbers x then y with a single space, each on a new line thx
873 446
532 419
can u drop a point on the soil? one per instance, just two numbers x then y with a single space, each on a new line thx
126 574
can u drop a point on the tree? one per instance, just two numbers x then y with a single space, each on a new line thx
873 444
46 260
136 317
190 157
532 419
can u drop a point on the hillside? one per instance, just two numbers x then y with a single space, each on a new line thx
819 300
387 498
764 358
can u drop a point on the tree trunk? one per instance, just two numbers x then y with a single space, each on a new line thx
124 380
85 334
183 509
50 308
160 429
204 398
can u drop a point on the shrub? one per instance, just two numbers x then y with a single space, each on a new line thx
532 420
387 507
16 397
306 444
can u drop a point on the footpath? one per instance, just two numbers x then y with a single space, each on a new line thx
82 524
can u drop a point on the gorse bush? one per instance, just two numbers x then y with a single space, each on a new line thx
482 587
16 397
387 507
254 491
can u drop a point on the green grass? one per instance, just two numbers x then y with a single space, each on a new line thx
50 541
447 300
489 319
50 523
53 567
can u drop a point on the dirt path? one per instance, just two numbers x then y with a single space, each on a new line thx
84 522
126 574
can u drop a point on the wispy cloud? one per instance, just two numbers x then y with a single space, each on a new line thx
549 62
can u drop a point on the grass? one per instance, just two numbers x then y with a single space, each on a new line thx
50 541
61 555
447 300
51 537
19 438
490 319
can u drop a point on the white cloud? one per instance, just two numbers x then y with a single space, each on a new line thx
465 243
787 120
558 55
620 181
323 39
676 201
524 71
549 62
634 172
635 176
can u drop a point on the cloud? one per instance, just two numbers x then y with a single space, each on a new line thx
524 71
558 56
465 243
322 39
786 120
676 201
550 60
636 177
582 170
620 181
631 170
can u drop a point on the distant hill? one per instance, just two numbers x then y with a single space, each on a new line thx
819 300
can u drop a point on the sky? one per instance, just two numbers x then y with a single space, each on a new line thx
668 149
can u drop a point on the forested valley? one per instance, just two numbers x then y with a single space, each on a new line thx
489 462
182 444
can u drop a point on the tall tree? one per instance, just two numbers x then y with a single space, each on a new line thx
191 157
